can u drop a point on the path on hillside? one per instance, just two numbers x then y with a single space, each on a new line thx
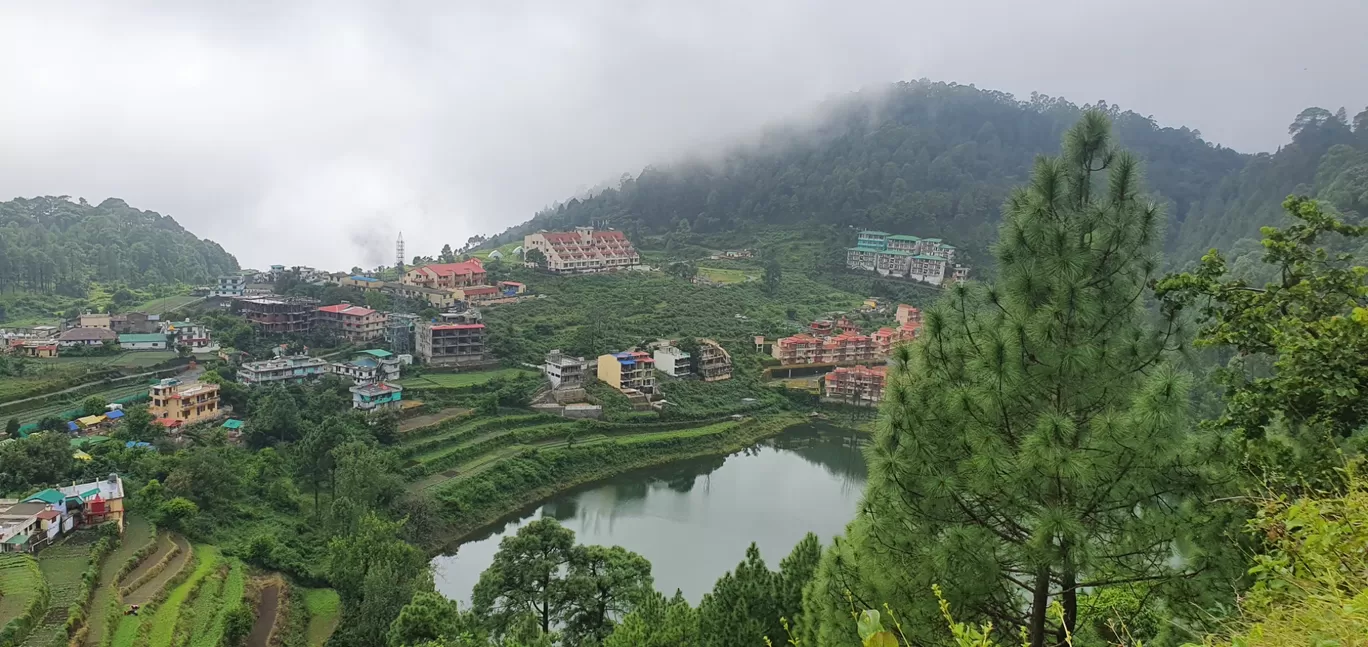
267 610
431 419
144 594
164 545
136 534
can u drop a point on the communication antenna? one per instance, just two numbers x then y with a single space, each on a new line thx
399 253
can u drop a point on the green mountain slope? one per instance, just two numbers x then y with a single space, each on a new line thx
51 244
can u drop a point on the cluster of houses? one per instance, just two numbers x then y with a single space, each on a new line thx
929 260
374 374
131 331
28 525
633 372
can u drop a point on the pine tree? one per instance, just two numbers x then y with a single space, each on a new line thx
1033 444
742 609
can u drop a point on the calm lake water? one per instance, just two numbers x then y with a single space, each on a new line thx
694 519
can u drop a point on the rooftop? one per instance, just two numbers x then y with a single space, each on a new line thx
471 266
376 389
348 309
873 232
377 352
142 338
87 334
458 326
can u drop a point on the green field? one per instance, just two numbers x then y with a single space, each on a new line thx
211 607
56 408
166 304
62 566
324 607
137 532
131 359
724 276
20 581
207 559
459 380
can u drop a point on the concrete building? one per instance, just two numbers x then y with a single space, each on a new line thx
184 403
35 348
439 298
906 313
95 320
714 362
86 337
195 336
583 250
845 348
352 323
377 397
929 260
362 282
477 293
42 518
630 372
233 285
136 323
511 288
451 344
447 275
564 371
288 369
369 367
858 385
278 315
151 341
672 361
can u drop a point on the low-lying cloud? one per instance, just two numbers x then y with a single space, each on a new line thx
311 133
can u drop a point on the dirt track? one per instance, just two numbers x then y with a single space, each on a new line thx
267 610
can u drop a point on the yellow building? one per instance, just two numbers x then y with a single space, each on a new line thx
178 403
628 371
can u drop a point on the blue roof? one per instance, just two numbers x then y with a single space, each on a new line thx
364 278
72 426
365 361
114 415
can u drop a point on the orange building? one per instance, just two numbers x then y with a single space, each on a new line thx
847 347
859 385
177 403
353 323
447 275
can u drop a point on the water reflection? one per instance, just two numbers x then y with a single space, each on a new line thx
693 519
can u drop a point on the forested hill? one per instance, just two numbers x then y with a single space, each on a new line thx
53 244
937 159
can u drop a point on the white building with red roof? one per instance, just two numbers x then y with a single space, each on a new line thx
353 323
446 276
583 250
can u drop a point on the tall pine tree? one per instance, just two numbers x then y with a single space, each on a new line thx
1033 445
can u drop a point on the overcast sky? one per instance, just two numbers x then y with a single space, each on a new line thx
311 133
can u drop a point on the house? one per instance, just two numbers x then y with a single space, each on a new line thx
30 524
362 282
35 348
353 323
629 371
858 385
96 502
439 298
672 361
152 341
287 369
377 397
564 371
929 260
184 402
451 344
229 286
477 293
511 288
886 338
21 530
583 250
846 347
86 337
193 335
906 313
94 320
135 323
447 275
369 367
713 363
278 315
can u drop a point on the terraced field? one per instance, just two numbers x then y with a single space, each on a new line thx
460 380
62 566
211 606
20 581
324 609
137 532
207 560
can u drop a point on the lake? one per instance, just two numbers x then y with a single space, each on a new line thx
694 519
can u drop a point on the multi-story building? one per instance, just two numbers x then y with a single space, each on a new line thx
629 371
672 361
95 320
511 288
714 362
859 385
353 323
135 323
440 298
377 397
907 313
196 336
478 293
184 403
583 250
362 282
288 369
447 275
233 285
929 260
451 344
369 367
278 315
564 371
845 348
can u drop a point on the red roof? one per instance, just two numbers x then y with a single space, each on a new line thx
514 283
480 289
561 237
49 515
348 309
471 266
458 326
613 235
168 422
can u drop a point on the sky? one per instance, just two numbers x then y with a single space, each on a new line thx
311 133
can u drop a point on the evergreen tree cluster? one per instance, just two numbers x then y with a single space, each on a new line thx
53 244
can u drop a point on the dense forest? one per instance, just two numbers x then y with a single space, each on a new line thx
938 159
54 244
